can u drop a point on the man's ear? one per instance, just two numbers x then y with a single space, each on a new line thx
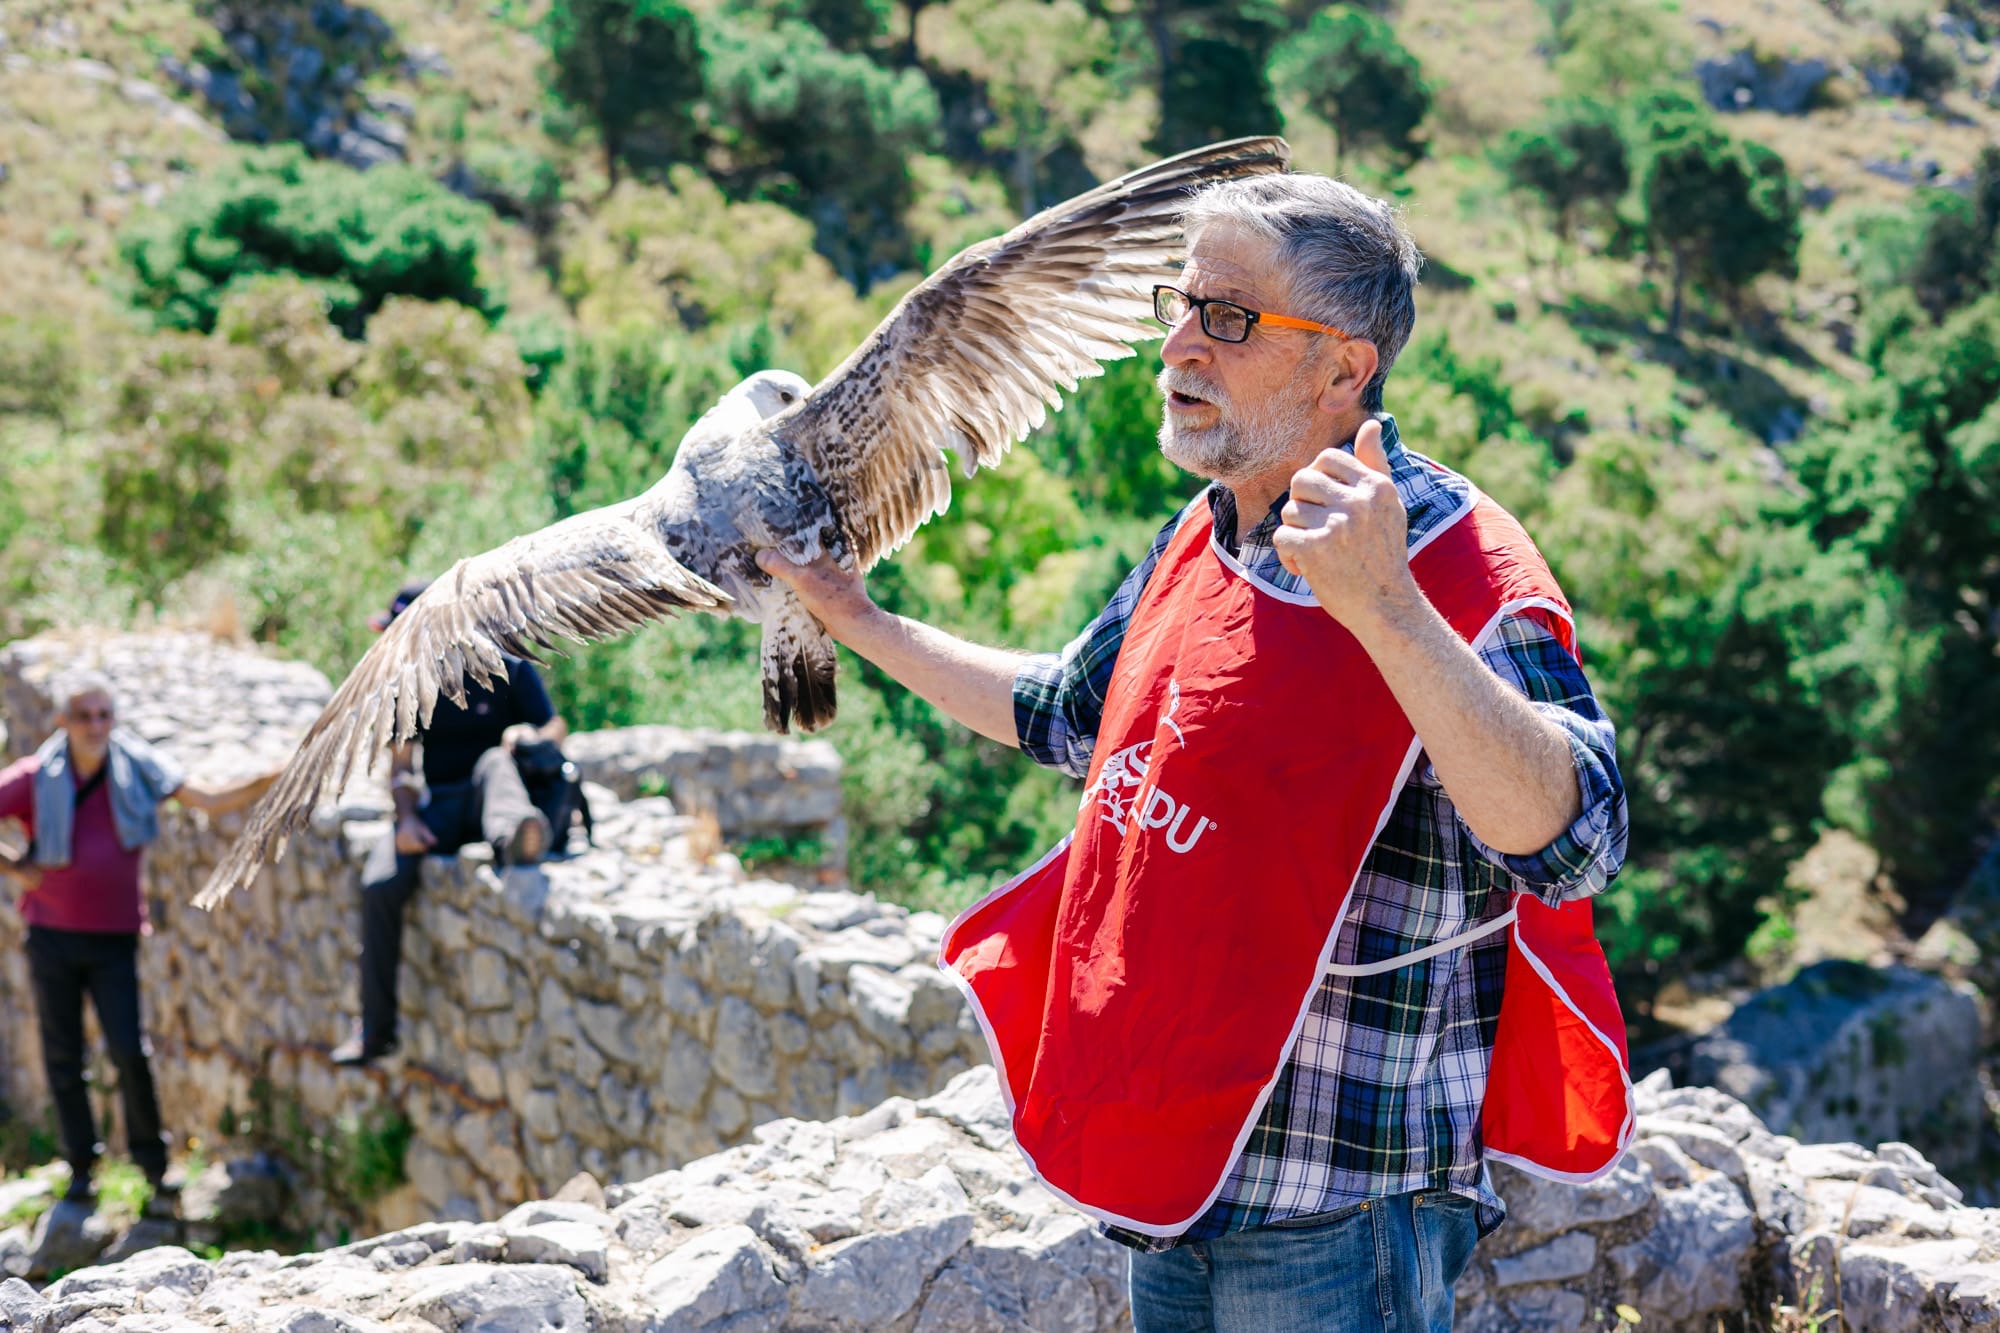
1349 367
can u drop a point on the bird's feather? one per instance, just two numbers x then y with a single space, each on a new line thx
589 577
972 358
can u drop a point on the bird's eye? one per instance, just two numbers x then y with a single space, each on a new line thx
786 396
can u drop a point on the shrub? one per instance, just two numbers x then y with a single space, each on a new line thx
824 132
1722 212
631 66
1572 161
357 238
683 259
1351 72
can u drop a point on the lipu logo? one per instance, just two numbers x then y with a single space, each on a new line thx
1123 796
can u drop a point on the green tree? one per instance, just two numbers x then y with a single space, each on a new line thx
1041 63
824 132
1608 50
1572 162
178 420
1723 213
1941 246
1898 499
1956 260
848 25
1924 57
358 238
1351 72
630 65
1210 61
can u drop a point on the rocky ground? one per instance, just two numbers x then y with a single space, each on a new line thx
919 1217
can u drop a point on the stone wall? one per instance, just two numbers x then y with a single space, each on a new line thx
622 1011
919 1217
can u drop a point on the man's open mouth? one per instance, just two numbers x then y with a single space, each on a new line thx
1180 399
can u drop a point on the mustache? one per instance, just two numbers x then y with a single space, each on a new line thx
1178 379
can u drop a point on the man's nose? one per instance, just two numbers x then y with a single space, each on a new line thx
1187 343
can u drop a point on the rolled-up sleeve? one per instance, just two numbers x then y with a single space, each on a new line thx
1585 857
1059 697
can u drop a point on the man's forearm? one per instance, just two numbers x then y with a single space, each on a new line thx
1507 769
224 800
968 681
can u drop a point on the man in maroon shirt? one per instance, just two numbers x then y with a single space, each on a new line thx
88 800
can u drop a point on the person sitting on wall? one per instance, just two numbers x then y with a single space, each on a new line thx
89 801
471 790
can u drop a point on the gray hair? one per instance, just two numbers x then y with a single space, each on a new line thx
1350 262
73 685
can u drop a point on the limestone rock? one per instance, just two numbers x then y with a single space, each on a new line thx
574 1244
1568 1256
1741 82
1692 1262
166 1268
720 1274
231 1193
1845 1051
534 1298
19 1304
67 1236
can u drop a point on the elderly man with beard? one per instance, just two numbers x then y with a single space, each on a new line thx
1334 722
89 801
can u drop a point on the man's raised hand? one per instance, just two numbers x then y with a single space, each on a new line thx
1346 534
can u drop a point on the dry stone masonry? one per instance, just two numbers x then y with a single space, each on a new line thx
631 1008
918 1217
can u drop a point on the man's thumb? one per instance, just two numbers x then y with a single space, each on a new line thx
1368 447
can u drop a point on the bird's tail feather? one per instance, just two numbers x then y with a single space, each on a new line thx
798 669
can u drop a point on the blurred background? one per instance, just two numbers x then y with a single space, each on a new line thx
299 298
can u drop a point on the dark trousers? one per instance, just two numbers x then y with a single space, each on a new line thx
491 807
65 966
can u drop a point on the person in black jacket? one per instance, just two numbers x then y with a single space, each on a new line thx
470 791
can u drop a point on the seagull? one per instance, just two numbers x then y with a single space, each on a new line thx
970 360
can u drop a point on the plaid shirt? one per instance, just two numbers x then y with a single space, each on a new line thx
1382 1093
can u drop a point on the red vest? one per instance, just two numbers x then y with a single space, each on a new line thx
1142 986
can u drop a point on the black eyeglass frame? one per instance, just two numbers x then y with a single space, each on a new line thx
1163 293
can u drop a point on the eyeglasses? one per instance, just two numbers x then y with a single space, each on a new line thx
1226 321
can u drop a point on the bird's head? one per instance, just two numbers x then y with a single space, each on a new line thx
772 391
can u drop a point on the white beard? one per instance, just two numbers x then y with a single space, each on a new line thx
1243 443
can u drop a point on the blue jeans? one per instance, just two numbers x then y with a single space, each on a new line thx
1383 1266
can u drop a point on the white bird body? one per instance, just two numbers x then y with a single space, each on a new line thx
970 360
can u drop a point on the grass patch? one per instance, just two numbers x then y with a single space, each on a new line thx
801 849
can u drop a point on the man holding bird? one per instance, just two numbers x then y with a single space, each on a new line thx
1347 791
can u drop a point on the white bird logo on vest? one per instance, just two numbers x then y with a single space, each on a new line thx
1121 784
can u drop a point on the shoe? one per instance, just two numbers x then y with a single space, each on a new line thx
80 1189
529 844
357 1051
165 1202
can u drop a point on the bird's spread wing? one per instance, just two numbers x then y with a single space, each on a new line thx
972 358
589 577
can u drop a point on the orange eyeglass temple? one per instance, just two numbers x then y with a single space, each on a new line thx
1287 322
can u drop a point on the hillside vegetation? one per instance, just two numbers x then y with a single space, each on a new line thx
303 297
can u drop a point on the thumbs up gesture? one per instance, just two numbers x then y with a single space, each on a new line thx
1346 534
